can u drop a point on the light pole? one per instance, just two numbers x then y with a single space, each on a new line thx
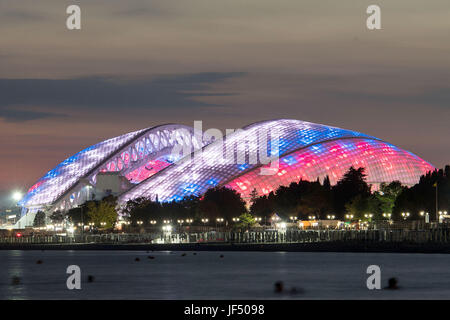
218 220
17 196
82 224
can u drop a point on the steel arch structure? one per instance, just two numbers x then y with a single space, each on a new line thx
69 183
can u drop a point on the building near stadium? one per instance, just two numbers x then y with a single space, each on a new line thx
169 162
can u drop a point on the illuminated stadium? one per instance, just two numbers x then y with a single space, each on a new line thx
169 162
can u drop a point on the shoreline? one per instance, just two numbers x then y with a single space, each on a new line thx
356 247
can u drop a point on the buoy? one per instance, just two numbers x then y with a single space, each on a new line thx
221 256
90 278
137 259
39 262
15 280
151 257
279 286
183 255
392 284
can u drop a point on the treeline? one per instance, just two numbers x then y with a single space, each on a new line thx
352 196
216 203
98 213
422 196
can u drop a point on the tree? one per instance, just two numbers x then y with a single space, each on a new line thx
361 205
142 209
422 196
222 202
246 220
39 219
102 211
79 214
253 196
263 207
57 217
352 184
387 195
315 199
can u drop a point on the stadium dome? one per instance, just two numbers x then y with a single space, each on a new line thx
305 150
169 162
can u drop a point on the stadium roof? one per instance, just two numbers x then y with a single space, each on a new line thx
261 156
306 151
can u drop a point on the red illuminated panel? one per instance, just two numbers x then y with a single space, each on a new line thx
146 171
383 163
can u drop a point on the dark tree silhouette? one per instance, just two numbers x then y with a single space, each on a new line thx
422 196
222 202
352 184
39 219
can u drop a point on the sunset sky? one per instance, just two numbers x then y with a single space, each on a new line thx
135 64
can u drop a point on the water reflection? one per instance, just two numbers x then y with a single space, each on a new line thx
204 275
14 284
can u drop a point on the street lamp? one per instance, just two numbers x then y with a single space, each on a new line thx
204 220
235 219
311 217
349 216
281 225
189 221
153 222
405 215
331 217
17 196
219 220
258 219
387 215
293 219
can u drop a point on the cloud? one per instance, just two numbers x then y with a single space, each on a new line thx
20 16
26 115
104 93
439 97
